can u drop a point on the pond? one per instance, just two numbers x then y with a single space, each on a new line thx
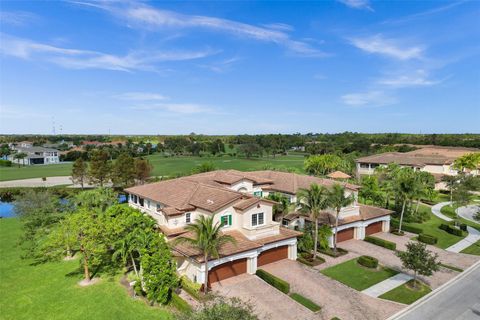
7 209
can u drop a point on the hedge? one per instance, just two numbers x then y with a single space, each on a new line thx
329 252
426 238
5 163
381 242
179 303
305 302
274 281
191 288
406 227
452 230
368 261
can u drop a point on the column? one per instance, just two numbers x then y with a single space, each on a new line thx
359 233
386 226
252 265
292 251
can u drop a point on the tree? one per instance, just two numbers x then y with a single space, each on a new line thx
20 156
418 259
370 190
324 233
97 200
216 146
143 170
469 161
321 165
312 201
79 172
207 238
222 309
123 171
159 276
100 168
386 177
250 149
337 200
405 186
450 183
281 207
204 167
424 186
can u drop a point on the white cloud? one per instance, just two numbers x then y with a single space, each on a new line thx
143 16
374 98
388 47
357 4
87 59
182 108
140 96
419 78
221 66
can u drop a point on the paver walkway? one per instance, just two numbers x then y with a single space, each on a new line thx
387 285
473 236
436 210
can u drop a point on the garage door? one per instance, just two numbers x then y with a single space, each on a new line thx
272 255
227 270
373 228
344 235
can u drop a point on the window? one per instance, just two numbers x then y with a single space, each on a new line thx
258 193
285 222
141 201
148 204
158 207
226 220
258 219
188 217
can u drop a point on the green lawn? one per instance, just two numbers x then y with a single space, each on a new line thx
431 227
360 278
450 212
163 166
405 294
473 249
50 291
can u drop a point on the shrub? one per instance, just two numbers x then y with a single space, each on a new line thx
463 227
191 288
307 259
179 303
406 227
274 281
329 252
368 261
426 238
381 242
305 302
452 230
5 163
396 232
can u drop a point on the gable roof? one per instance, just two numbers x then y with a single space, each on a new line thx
338 175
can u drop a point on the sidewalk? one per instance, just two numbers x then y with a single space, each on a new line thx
473 236
436 210
387 285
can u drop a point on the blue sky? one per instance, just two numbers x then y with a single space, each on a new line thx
239 67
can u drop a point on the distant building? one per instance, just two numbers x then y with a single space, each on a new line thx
436 160
35 155
22 144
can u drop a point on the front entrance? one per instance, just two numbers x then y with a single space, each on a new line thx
345 235
227 270
272 255
373 228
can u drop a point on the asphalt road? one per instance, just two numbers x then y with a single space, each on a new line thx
460 300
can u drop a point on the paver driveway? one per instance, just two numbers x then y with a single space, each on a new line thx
269 303
335 298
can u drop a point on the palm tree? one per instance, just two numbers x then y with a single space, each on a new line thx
208 238
386 176
125 248
405 186
281 207
20 156
337 200
312 201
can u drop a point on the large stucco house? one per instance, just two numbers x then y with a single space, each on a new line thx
35 155
436 160
237 201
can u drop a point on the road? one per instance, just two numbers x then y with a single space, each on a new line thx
458 300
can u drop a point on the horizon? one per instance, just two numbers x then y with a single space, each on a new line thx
231 68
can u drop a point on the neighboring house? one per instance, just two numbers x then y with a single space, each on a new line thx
35 155
236 200
433 159
21 144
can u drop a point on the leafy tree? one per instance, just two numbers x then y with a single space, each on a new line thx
204 167
216 146
281 207
123 171
20 156
305 241
207 238
100 168
370 190
324 233
424 186
469 161
159 276
79 172
143 170
321 165
418 259
386 177
450 183
97 200
222 309
461 196
312 201
337 200
250 149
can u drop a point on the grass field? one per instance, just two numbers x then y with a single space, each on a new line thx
50 291
431 227
473 249
163 166
357 277
405 294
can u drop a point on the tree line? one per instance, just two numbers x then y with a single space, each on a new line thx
100 170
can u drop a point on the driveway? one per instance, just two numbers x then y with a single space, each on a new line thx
335 298
388 257
269 303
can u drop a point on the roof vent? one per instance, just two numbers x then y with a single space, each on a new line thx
210 201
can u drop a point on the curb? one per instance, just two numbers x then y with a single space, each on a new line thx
442 288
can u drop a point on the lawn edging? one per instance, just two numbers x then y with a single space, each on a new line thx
309 304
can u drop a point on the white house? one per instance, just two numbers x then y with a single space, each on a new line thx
35 155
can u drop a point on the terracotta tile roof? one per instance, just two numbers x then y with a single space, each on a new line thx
248 202
228 177
291 182
285 233
170 232
338 175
